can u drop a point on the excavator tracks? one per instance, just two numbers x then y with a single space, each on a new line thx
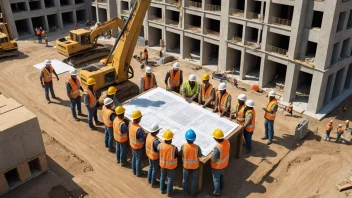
86 56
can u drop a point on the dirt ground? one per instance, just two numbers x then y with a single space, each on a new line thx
80 165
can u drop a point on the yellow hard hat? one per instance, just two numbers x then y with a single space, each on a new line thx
218 134
136 114
112 90
168 135
119 110
205 76
91 81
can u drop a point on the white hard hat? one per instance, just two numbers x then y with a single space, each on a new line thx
192 77
340 125
153 128
47 62
272 93
74 72
242 97
222 86
148 70
331 121
250 103
108 101
176 65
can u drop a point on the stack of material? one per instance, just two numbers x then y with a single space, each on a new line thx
22 152
344 185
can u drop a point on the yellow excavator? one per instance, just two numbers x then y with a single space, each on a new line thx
8 46
82 46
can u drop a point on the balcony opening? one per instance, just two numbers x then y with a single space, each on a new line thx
317 19
212 27
277 43
213 5
235 33
34 166
67 19
233 61
274 76
281 14
64 2
23 28
81 16
327 89
334 56
338 82
193 23
237 8
252 39
173 43
38 22
310 52
210 54
155 35
94 13
304 84
341 21
155 14
18 7
172 18
255 9
124 8
251 67
34 5
49 3
12 178
349 24
191 49
344 50
195 4
79 1
103 15
53 22
348 78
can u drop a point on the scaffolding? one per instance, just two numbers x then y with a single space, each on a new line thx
282 22
212 8
236 12
193 4
276 50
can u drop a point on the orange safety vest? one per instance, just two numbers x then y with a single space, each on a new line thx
145 54
134 142
222 101
37 31
175 79
146 81
251 126
92 99
329 127
340 130
290 107
74 93
43 32
190 156
48 75
240 114
270 116
206 93
149 148
106 116
167 156
118 135
223 161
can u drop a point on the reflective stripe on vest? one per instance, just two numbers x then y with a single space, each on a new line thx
134 142
47 75
118 135
106 116
175 79
74 93
190 156
251 126
92 99
222 101
167 156
223 161
149 147
270 116
146 81
240 114
206 93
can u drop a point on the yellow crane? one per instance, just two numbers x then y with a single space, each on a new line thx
8 46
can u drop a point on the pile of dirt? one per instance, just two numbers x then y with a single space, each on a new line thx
61 192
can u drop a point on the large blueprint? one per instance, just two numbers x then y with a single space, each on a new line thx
172 112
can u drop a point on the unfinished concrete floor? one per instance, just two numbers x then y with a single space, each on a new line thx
85 166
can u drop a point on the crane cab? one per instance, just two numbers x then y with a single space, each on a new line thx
6 44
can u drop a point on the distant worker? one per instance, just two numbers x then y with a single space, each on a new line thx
207 93
190 153
46 41
46 79
73 87
270 113
168 162
347 124
329 128
88 24
290 108
43 33
238 111
151 148
120 136
90 101
108 118
148 81
219 161
339 132
174 78
38 33
344 108
222 101
145 55
249 124
190 89
137 139
235 83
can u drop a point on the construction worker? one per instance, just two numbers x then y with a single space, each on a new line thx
145 56
111 93
148 81
168 162
290 108
108 118
344 108
219 161
174 78
329 128
46 79
249 124
190 89
46 41
87 24
222 101
151 148
207 93
90 101
137 139
120 136
269 117
339 133
43 33
238 112
190 153
73 86
347 124
39 34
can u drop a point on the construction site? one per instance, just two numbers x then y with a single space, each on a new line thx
300 49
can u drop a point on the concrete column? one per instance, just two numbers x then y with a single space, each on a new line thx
202 19
7 12
259 35
349 49
243 61
317 91
264 37
331 87
27 6
112 12
202 52
74 16
182 45
262 76
344 76
244 34
30 24
262 9
42 4
60 22
345 23
291 81
339 48
224 26
46 24
245 9
267 11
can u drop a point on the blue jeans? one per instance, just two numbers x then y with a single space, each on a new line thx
48 86
248 137
218 179
109 137
269 128
338 136
194 180
121 152
137 161
170 180
327 135
153 167
92 113
75 102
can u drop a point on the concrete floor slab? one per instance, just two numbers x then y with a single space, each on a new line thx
10 105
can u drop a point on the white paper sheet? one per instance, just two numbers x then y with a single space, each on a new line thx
59 66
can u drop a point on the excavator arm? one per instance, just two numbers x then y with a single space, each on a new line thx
99 29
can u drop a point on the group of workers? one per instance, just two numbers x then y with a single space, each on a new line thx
339 131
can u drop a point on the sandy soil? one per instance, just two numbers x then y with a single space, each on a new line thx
81 166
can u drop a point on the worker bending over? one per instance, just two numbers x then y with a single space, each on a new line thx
219 161
137 139
151 148
190 153
339 133
73 86
329 128
270 114
222 101
190 89
120 136
238 111
148 81
168 162
249 124
174 78
207 93
90 101
46 80
108 118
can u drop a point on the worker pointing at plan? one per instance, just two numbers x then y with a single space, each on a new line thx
207 93
190 89
174 78
46 79
270 113
148 81
222 101
121 136
108 118
73 87
90 100
137 139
